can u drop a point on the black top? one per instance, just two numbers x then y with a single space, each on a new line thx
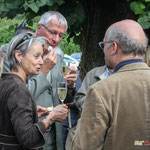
19 126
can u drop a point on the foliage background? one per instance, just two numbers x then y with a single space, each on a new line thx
87 19
8 26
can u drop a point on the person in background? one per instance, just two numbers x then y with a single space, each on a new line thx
1 62
116 110
74 113
146 56
3 48
19 126
24 29
93 76
43 87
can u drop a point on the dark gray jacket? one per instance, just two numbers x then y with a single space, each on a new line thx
19 126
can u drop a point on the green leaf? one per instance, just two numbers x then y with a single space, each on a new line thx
60 2
51 3
137 7
144 22
3 7
41 3
33 7
25 6
147 1
13 4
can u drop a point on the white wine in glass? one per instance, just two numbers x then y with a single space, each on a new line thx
65 69
62 90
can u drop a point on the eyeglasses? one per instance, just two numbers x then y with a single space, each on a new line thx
102 44
53 32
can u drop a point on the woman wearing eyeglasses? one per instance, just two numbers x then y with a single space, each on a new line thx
19 126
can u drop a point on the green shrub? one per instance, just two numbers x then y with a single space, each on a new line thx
69 46
7 29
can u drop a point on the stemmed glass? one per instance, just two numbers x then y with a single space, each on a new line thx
65 69
62 90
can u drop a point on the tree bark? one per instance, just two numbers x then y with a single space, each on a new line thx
99 16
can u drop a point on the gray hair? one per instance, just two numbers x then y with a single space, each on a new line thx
126 43
53 15
23 43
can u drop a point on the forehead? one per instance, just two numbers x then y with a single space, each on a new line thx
54 25
36 46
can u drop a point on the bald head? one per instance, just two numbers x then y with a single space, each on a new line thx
129 36
132 28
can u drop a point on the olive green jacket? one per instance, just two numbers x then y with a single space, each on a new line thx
116 112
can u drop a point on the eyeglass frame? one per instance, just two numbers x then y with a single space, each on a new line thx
53 32
102 47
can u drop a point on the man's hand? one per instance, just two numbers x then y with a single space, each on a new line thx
41 111
50 61
70 105
72 77
59 113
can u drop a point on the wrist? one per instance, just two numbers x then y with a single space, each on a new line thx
71 86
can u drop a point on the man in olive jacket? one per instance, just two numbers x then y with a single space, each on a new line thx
116 111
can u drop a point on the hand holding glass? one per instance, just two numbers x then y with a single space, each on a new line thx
62 90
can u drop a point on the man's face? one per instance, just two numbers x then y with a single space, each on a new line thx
53 32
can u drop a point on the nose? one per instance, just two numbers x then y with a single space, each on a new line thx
41 61
56 38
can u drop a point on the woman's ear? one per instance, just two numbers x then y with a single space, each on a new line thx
18 56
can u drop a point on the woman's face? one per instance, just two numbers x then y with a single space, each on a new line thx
32 61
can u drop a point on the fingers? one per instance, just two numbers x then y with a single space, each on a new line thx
39 108
41 111
50 61
72 77
51 57
59 113
72 74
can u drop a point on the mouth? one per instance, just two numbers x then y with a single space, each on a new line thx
38 69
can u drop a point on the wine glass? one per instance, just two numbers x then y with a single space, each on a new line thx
65 69
62 90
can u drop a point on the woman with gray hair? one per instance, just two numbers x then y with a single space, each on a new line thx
19 126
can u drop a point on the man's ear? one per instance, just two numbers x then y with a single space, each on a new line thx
18 56
39 27
114 48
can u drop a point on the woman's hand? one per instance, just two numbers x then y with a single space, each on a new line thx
41 111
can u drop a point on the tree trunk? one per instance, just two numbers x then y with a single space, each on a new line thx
99 16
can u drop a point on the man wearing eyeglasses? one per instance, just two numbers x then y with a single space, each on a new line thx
116 111
43 87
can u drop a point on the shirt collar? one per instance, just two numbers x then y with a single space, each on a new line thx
106 74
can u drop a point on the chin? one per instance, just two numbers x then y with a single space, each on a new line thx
37 73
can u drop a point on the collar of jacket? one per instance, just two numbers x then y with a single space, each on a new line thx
126 62
134 66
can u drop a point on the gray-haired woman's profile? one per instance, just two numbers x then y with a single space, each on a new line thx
23 43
